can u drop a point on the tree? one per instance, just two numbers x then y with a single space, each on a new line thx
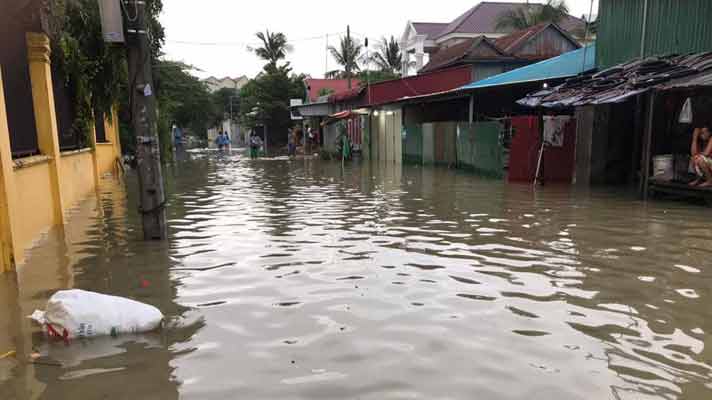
347 55
265 101
371 77
388 57
223 99
183 99
274 47
326 92
525 17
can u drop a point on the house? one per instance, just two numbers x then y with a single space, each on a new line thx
490 57
214 84
653 56
422 39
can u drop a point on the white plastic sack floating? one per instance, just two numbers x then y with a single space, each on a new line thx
75 314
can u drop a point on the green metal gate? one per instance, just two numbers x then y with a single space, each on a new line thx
413 144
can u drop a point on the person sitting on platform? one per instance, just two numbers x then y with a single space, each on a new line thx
701 153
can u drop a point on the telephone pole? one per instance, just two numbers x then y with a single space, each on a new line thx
144 122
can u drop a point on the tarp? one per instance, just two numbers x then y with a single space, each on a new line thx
564 66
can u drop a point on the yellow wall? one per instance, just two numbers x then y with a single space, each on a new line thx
105 158
77 176
36 192
34 210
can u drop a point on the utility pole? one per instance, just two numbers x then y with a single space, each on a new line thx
144 122
348 62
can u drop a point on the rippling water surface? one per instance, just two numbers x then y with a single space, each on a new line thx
295 280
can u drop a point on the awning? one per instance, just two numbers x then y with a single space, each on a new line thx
564 66
338 117
622 82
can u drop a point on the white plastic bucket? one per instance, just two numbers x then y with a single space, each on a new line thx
663 167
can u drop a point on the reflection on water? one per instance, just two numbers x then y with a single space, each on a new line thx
295 280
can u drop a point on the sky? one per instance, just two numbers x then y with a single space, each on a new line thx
214 35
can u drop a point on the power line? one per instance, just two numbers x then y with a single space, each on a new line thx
245 44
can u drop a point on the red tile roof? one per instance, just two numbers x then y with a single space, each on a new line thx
429 29
315 86
483 17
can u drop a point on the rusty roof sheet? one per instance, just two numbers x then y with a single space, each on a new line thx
621 82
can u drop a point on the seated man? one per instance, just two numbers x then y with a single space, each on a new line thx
701 153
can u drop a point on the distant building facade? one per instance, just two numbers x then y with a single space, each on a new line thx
421 40
214 84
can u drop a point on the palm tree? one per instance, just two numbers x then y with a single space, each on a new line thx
528 16
347 55
274 47
388 57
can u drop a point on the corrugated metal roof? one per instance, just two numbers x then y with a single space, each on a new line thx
315 86
621 82
673 26
564 66
458 54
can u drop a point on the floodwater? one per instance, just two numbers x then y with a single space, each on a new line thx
295 280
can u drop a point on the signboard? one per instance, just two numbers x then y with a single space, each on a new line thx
112 22
295 114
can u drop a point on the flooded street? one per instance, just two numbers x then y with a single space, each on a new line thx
295 280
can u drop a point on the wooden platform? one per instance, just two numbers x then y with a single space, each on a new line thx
680 190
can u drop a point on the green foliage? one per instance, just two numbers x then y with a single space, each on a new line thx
183 99
326 92
366 77
94 73
526 17
388 57
347 55
274 47
265 100
222 100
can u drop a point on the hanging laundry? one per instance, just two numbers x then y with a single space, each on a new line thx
686 113
554 130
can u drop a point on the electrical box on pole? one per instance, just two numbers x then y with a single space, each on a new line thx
112 22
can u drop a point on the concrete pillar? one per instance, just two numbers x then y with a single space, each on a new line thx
38 51
406 58
7 191
420 55
115 132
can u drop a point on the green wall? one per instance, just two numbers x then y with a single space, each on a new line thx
673 26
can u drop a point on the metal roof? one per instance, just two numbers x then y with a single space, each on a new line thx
621 82
483 17
564 66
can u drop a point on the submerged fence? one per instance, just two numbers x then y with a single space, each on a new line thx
470 146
